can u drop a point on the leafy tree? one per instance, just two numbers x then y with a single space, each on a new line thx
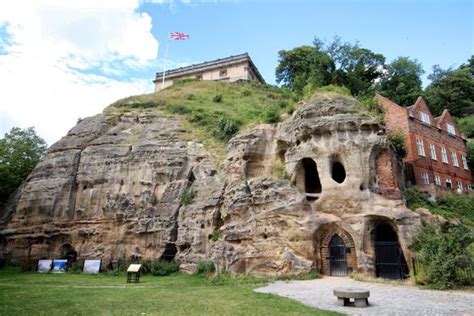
466 124
343 64
20 151
302 66
356 68
402 82
452 89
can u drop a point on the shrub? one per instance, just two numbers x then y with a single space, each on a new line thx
191 97
218 98
246 93
205 267
187 196
216 235
470 152
227 128
271 115
162 267
398 142
443 256
178 109
77 267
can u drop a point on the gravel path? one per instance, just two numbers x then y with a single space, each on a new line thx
384 299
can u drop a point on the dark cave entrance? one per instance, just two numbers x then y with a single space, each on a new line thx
390 262
338 173
308 179
169 253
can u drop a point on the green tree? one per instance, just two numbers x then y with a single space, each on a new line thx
452 89
302 66
402 82
20 151
336 62
356 68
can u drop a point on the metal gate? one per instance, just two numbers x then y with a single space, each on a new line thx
389 260
337 256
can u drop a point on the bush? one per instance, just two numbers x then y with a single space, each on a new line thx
178 109
162 267
246 93
451 205
187 196
470 152
217 98
216 235
271 115
398 142
205 267
443 256
227 128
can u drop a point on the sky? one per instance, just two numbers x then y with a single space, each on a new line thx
65 60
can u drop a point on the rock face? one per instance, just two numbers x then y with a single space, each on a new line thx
319 191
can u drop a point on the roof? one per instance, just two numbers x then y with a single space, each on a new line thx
211 64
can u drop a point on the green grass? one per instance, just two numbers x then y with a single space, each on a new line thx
29 293
214 111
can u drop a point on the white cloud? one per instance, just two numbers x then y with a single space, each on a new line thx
63 58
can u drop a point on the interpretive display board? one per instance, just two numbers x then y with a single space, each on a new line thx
44 265
91 266
59 266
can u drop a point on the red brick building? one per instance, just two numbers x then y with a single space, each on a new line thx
436 150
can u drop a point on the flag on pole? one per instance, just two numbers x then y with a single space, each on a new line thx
178 36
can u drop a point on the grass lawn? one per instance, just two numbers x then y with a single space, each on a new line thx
28 293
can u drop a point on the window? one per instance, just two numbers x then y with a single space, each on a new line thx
459 185
455 159
223 73
444 155
421 147
425 178
437 180
470 187
425 118
449 183
433 152
451 129
464 162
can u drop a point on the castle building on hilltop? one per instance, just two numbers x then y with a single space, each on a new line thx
229 69
436 158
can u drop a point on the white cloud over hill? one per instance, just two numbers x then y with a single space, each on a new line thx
60 60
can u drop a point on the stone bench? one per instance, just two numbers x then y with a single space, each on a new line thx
344 296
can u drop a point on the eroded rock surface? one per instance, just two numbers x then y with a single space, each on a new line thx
113 188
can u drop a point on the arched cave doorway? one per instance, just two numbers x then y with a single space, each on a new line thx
337 256
68 252
335 252
307 179
390 262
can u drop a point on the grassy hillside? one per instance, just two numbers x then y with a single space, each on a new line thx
214 111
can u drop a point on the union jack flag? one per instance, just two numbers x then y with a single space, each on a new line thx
178 36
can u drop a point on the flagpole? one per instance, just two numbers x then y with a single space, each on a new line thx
164 65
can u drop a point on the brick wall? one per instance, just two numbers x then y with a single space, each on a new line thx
408 121
388 175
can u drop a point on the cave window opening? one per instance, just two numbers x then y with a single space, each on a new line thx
169 253
338 173
312 183
68 252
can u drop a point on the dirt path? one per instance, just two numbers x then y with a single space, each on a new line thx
384 299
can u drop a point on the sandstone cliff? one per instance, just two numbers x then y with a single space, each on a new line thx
113 187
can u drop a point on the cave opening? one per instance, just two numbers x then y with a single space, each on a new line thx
169 253
338 173
312 184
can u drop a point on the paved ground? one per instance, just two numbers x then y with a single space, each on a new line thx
384 299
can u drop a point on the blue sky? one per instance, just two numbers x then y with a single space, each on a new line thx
62 60
434 32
